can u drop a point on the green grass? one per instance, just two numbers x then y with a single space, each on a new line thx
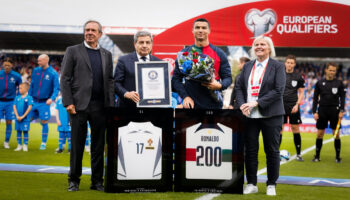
327 168
20 185
24 185
293 192
34 156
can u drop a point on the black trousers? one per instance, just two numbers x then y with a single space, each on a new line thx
95 115
270 128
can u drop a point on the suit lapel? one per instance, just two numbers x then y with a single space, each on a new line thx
103 59
246 75
267 73
134 57
85 55
133 60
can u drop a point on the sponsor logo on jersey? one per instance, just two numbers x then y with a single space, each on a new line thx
47 77
12 80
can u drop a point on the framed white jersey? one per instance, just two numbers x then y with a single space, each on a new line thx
139 152
209 152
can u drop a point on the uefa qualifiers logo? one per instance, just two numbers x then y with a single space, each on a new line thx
260 22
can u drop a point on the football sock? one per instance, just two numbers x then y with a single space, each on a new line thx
25 137
45 132
297 142
337 146
61 140
19 137
8 132
68 137
319 142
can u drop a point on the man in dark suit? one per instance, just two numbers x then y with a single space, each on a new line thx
260 97
87 89
124 75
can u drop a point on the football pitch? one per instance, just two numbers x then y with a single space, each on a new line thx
29 185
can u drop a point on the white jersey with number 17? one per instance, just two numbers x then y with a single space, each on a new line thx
139 151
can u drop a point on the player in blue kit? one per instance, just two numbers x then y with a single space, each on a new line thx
9 82
44 89
63 126
22 105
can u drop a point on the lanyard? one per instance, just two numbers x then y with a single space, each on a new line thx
262 75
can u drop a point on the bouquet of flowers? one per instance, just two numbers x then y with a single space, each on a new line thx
195 66
198 67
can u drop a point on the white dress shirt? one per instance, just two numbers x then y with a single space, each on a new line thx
88 46
259 69
140 59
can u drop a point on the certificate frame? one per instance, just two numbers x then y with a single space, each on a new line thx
153 83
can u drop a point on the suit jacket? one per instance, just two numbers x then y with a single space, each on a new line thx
76 77
124 78
270 99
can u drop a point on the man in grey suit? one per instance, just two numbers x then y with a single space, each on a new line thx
124 75
87 89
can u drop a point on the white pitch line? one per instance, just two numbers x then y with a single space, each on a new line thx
262 171
211 196
208 196
46 169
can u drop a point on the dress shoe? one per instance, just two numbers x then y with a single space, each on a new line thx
73 186
250 189
97 186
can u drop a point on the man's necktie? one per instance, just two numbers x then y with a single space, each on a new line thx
144 58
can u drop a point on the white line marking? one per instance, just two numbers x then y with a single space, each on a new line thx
208 196
46 169
328 181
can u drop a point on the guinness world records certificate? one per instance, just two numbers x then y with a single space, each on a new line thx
153 83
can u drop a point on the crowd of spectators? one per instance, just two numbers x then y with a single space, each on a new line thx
24 64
